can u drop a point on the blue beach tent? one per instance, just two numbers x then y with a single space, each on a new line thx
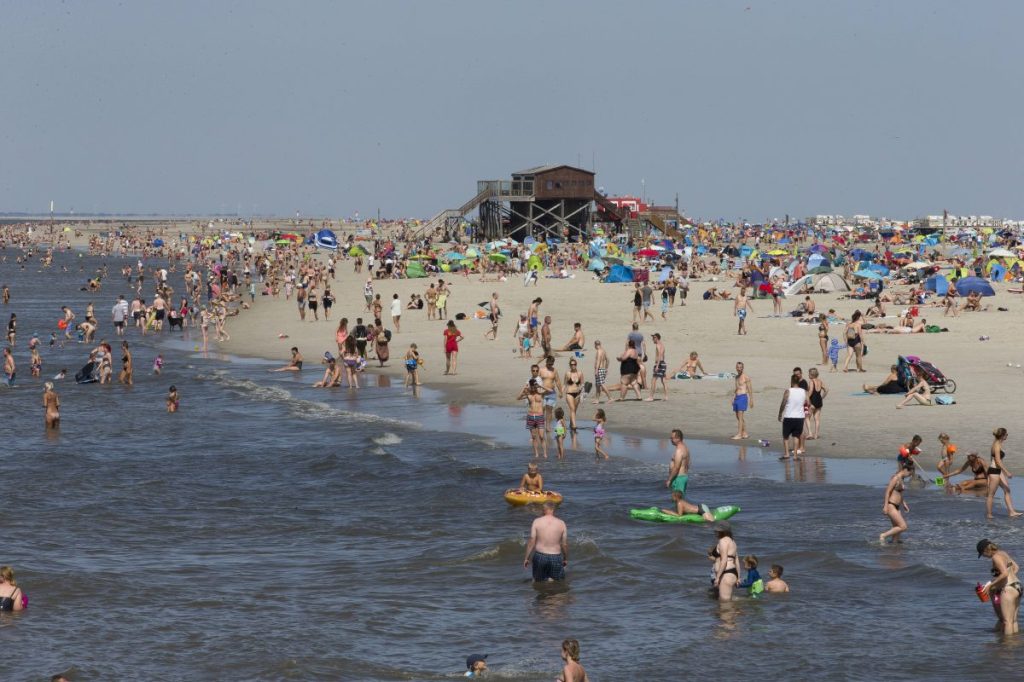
619 273
970 285
325 239
938 284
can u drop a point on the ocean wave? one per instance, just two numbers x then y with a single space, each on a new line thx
387 438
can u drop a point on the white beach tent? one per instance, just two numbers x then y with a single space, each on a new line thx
824 282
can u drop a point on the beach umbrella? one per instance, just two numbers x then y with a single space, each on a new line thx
778 252
970 285
647 253
467 261
498 257
868 274
452 255
817 248
357 250
160 242
472 253
876 267
418 256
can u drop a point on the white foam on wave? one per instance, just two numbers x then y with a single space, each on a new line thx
387 438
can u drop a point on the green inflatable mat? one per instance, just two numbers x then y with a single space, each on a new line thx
655 514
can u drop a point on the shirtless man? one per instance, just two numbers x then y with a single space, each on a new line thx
600 373
545 336
679 476
775 582
10 369
548 548
740 307
532 481
743 400
533 392
160 306
577 341
552 384
431 298
532 314
660 367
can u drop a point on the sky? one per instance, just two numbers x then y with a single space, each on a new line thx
743 109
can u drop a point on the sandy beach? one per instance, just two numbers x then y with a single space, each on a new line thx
492 371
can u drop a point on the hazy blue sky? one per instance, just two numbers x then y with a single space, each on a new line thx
746 108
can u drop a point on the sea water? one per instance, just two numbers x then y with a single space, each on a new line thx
270 530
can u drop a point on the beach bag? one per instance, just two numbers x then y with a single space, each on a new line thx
932 329
945 400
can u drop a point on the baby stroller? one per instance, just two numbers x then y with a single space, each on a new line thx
937 381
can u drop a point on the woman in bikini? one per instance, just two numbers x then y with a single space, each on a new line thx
726 564
999 475
573 383
823 337
342 334
854 342
350 358
1004 587
893 501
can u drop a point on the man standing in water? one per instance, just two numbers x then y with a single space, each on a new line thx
743 400
548 547
552 385
10 370
679 476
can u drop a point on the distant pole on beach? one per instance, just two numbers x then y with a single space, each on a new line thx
51 217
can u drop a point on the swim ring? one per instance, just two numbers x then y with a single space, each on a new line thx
520 497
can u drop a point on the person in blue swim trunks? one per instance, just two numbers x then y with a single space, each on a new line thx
678 478
547 552
743 400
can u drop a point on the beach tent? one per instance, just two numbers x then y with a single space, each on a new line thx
415 270
868 274
821 269
534 263
357 250
830 281
938 284
1001 253
160 242
817 260
997 273
817 248
619 273
861 254
596 264
969 285
745 251
875 267
325 239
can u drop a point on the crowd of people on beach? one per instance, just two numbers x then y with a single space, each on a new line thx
224 277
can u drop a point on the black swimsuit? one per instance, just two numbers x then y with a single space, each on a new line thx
7 603
815 399
732 570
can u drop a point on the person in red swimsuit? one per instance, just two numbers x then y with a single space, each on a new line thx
452 336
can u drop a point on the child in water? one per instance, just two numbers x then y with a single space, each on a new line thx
476 665
173 398
560 431
599 434
158 363
753 580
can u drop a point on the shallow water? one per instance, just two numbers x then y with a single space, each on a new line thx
274 531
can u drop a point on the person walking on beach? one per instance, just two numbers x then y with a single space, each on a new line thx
493 316
1004 587
660 367
548 547
600 373
740 308
791 414
51 406
816 399
854 342
452 336
396 313
893 500
999 475
412 366
743 400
